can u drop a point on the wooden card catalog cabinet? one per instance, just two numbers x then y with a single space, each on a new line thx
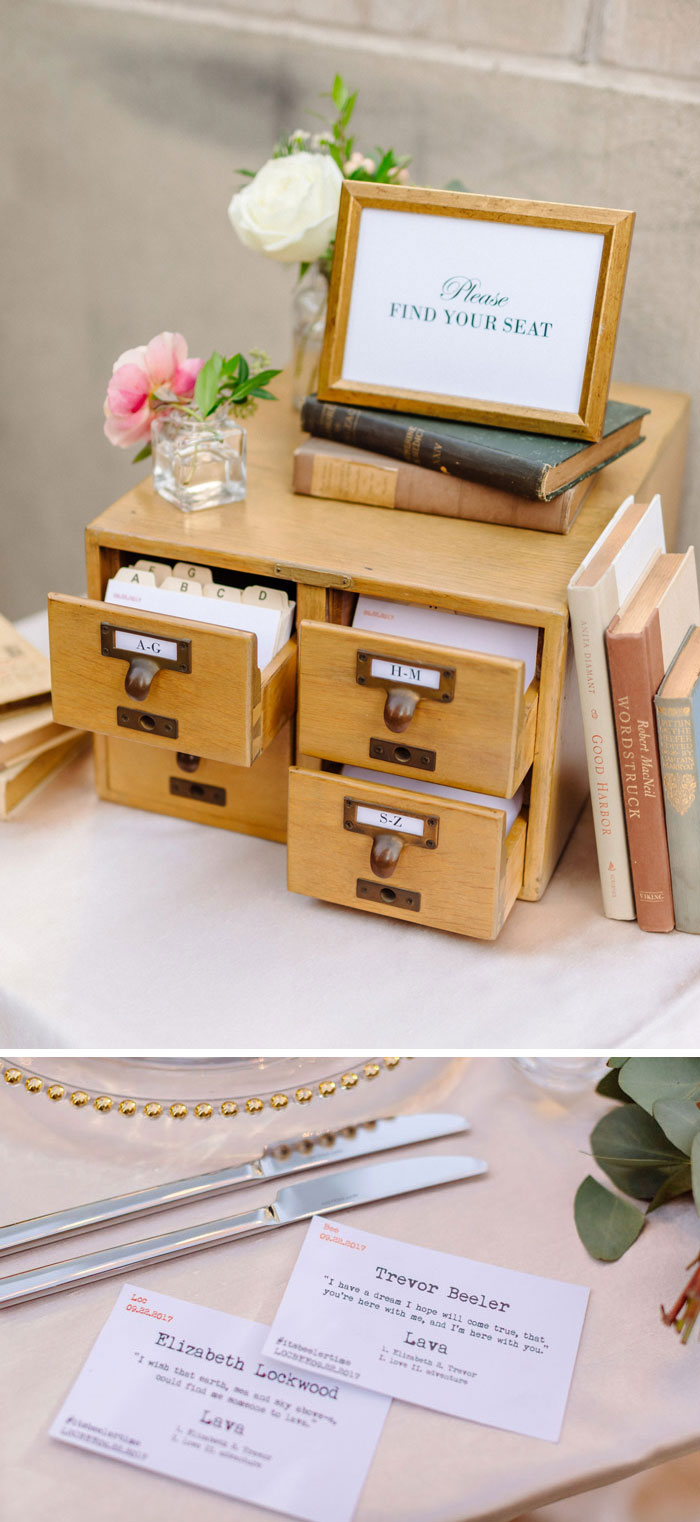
187 724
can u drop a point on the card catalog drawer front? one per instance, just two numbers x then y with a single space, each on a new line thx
411 856
168 684
447 715
250 799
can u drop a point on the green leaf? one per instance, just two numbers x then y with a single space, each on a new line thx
679 1120
143 454
631 1148
606 1224
339 93
695 1171
609 1087
455 185
304 267
206 391
649 1079
266 396
678 1182
617 1062
263 376
249 173
230 366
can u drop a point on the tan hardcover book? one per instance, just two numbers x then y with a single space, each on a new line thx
24 730
17 782
323 468
25 674
642 641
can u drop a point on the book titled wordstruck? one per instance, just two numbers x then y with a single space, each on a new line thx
466 1338
188 1392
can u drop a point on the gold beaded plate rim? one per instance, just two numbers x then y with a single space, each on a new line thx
106 1101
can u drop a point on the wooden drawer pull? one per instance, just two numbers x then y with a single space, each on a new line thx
386 850
139 677
401 704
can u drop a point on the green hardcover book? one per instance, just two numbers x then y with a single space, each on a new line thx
536 466
678 723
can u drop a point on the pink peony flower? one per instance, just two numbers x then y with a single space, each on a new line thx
143 379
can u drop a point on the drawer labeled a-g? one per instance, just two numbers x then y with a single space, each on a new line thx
447 715
406 854
170 683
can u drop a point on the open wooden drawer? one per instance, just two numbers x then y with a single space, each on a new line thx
446 715
170 683
410 855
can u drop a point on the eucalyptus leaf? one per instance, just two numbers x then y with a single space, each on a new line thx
609 1087
617 1062
695 1170
631 1148
679 1120
649 1079
606 1224
678 1182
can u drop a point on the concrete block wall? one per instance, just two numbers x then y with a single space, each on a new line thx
123 122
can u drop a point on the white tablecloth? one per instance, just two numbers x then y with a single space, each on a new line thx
127 929
634 1396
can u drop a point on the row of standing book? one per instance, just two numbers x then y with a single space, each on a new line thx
33 747
635 617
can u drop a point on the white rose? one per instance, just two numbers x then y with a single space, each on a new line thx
290 209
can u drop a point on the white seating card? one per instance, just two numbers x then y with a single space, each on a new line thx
436 626
187 1392
489 1344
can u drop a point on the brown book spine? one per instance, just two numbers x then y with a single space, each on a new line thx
378 481
636 671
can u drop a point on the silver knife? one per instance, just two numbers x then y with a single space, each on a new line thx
298 1202
277 1161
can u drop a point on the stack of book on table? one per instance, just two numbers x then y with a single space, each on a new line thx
32 745
455 469
635 617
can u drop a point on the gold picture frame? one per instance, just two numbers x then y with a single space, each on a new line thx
602 283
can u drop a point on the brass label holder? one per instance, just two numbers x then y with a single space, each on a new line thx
147 654
375 669
414 829
137 642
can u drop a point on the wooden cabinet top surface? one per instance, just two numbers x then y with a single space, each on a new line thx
388 552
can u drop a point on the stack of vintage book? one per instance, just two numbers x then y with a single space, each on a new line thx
635 615
32 745
455 469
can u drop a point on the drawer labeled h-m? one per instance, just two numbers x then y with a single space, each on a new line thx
167 682
454 716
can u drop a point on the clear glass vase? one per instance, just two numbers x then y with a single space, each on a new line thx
309 309
198 462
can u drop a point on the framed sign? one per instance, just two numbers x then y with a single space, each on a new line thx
462 306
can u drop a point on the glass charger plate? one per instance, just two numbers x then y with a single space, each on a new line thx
211 1109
